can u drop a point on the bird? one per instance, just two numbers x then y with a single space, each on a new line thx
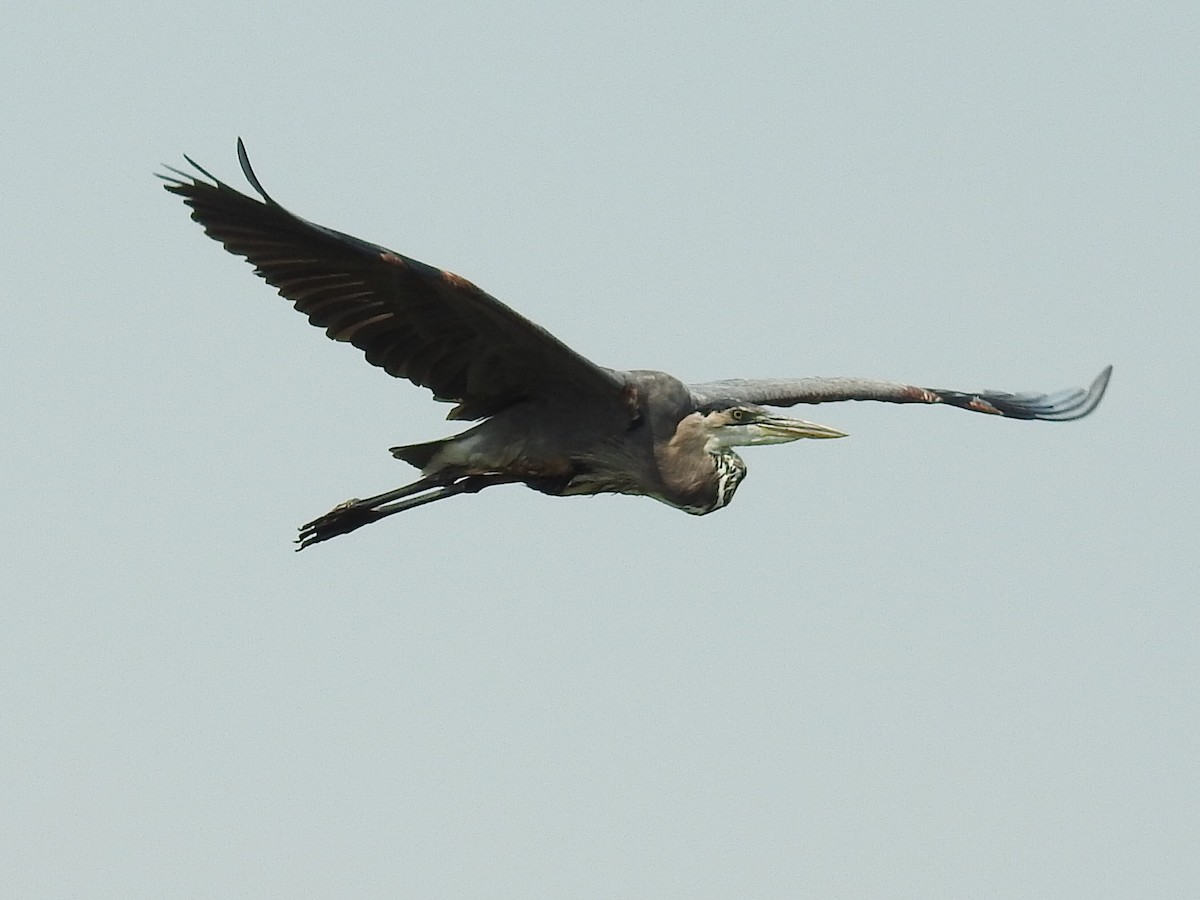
547 417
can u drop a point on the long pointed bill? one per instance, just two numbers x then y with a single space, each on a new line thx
778 429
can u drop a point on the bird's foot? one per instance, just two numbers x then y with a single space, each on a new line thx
342 519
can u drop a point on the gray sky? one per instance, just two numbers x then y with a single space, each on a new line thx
950 656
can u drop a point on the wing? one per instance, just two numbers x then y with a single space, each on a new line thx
1061 406
414 321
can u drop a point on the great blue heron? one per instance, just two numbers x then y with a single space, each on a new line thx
551 420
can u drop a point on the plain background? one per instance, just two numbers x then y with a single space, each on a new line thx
950 656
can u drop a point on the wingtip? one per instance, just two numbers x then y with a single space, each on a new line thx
1091 398
248 171
1100 385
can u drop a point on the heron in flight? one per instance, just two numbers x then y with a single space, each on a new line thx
548 418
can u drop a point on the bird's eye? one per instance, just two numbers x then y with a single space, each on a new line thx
737 415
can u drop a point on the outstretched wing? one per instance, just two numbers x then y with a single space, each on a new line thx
414 321
1061 406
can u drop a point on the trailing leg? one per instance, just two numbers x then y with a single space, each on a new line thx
354 514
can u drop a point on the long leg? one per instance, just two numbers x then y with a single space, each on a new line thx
353 514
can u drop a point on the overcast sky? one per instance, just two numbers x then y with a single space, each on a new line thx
950 656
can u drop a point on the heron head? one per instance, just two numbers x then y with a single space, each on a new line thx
746 425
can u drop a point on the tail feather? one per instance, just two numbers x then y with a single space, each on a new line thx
419 455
